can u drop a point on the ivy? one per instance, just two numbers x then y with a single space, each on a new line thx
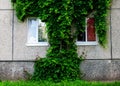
64 19
62 13
55 69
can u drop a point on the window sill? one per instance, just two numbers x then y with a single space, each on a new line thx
46 43
37 44
86 43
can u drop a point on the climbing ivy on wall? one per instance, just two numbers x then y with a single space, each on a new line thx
64 19
60 15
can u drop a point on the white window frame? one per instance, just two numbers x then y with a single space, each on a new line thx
34 43
87 42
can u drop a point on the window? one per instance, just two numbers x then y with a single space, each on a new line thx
88 37
36 32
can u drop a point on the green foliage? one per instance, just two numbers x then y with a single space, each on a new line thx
61 14
57 69
100 20
63 83
64 19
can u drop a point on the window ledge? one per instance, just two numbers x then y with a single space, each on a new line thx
86 43
46 43
37 44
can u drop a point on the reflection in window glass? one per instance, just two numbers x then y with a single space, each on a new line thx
81 36
32 31
89 34
42 36
36 31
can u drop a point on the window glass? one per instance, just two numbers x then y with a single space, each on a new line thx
36 31
32 23
42 36
89 34
81 36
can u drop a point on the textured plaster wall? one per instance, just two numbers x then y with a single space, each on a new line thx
94 52
13 38
106 69
5 30
97 51
115 25
16 70
113 48
14 54
21 50
100 70
5 4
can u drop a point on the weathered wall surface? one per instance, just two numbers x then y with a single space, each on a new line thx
12 46
115 27
21 50
5 30
101 70
13 38
106 69
94 52
14 33
16 70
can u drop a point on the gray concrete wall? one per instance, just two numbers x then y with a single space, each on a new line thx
21 50
14 54
16 70
13 38
5 30
115 27
100 70
103 69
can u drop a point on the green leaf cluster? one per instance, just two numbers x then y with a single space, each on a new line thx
57 69
61 14
64 20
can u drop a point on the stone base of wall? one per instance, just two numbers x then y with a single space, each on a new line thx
98 70
101 70
15 70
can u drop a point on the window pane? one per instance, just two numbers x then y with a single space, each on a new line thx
32 23
91 30
81 36
42 36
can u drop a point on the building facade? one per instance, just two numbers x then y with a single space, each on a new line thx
19 48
